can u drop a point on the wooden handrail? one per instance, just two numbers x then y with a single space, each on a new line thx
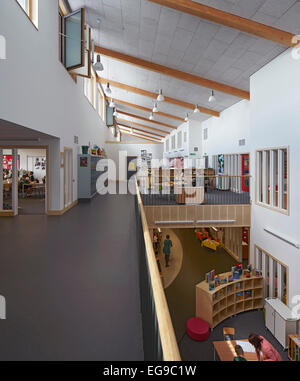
166 329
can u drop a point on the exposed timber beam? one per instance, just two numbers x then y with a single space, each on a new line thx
173 73
145 119
149 94
140 136
143 125
138 129
148 110
230 20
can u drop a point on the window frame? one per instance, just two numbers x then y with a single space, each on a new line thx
259 172
28 10
269 256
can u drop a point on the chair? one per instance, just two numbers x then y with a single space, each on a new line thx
228 333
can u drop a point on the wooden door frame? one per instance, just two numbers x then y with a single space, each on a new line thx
45 147
72 176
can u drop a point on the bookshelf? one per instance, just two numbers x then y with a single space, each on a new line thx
229 299
294 347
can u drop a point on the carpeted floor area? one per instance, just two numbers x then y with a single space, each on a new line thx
197 261
244 324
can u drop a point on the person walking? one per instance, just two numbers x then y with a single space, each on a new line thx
167 249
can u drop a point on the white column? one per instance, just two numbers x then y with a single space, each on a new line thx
279 281
257 255
280 178
239 179
15 181
272 176
271 278
1 180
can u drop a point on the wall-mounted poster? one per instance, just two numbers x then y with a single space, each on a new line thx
83 162
221 164
37 165
144 155
7 162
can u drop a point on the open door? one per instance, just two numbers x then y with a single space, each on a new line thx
77 44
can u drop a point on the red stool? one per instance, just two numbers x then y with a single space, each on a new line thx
197 329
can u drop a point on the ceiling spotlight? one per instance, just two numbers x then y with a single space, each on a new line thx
98 65
212 98
151 117
196 109
186 118
107 90
160 97
155 108
112 104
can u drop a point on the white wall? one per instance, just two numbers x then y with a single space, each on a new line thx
37 92
225 132
274 123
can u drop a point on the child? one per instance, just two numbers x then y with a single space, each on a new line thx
239 354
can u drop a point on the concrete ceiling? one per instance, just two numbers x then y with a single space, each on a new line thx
161 35
13 132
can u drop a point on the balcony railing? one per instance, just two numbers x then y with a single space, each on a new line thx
158 333
206 190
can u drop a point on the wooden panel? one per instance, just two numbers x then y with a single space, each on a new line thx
229 20
240 213
173 73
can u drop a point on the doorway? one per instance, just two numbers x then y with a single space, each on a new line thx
68 176
24 175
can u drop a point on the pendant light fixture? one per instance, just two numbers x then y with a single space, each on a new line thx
107 90
196 111
112 104
160 97
186 118
115 114
212 98
151 117
155 108
98 65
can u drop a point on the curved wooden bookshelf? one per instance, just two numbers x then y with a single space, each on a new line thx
223 302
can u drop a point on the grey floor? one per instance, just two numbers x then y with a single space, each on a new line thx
244 324
71 284
211 197
31 206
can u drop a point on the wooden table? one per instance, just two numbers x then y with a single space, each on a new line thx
226 352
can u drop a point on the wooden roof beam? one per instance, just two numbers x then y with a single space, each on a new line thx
148 110
230 20
142 125
140 136
138 129
181 75
145 119
149 94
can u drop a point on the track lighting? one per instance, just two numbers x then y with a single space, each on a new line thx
107 90
155 108
98 65
196 111
160 97
151 117
212 98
